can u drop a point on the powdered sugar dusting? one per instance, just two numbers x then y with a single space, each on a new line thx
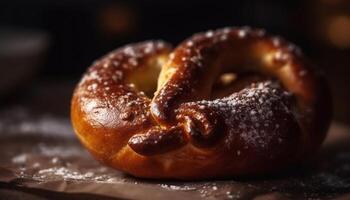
251 113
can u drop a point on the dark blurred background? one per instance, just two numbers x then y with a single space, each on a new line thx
45 46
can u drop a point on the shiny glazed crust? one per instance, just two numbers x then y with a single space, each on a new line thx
273 114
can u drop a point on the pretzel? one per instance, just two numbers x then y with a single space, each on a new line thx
223 103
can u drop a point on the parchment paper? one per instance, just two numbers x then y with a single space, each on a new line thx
40 151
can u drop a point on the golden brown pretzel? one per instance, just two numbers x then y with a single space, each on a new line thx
202 122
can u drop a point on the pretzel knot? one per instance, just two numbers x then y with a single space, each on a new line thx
229 102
